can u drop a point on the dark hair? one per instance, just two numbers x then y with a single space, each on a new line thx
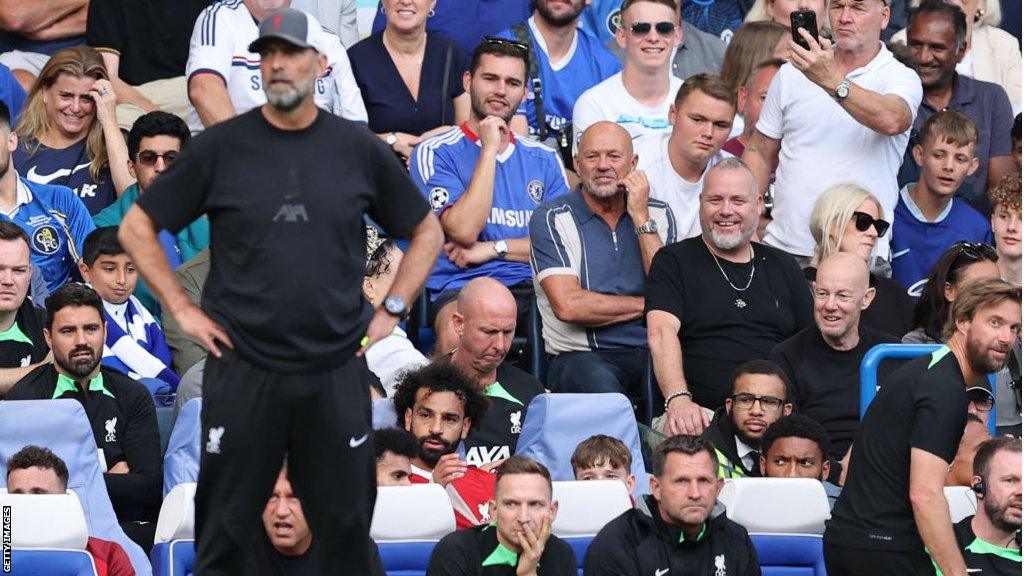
156 123
11 231
438 377
795 426
682 444
765 368
72 294
1015 131
978 294
971 417
379 261
395 440
708 84
503 48
600 449
932 309
38 457
101 242
5 116
988 450
627 4
521 465
956 17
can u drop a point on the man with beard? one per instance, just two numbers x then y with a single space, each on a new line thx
286 187
569 61
990 540
591 253
119 409
484 183
718 300
892 513
758 400
439 405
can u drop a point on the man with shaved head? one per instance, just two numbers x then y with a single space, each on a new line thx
823 360
591 253
485 321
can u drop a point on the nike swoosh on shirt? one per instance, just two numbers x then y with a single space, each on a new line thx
900 253
661 572
354 442
34 176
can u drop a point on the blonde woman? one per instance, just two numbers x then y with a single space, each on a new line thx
753 43
68 133
848 218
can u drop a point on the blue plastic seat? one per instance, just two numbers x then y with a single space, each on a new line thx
51 562
405 546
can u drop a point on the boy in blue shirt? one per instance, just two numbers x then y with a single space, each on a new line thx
929 218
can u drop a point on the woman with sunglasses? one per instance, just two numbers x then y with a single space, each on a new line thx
68 133
411 80
848 218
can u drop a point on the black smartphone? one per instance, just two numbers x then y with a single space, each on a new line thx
807 20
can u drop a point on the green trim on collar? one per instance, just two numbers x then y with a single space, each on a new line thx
496 390
15 334
502 557
700 535
938 355
66 384
980 546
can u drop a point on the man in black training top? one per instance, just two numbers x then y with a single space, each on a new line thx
679 536
518 540
990 539
22 346
892 513
285 187
120 410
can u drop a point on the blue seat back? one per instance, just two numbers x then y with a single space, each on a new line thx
176 558
556 423
62 426
789 554
39 561
406 558
181 461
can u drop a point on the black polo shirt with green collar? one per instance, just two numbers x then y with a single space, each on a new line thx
23 344
984 558
477 552
123 420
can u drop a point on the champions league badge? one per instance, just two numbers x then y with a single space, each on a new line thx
45 240
536 190
438 197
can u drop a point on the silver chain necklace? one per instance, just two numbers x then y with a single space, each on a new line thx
740 302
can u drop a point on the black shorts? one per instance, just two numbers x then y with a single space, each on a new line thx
251 418
841 561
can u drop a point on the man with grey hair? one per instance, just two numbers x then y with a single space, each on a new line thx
718 300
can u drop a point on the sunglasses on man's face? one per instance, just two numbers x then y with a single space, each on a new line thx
148 157
665 28
863 221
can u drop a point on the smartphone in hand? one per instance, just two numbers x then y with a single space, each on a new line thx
807 20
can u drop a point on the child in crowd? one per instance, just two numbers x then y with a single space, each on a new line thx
602 457
135 343
929 219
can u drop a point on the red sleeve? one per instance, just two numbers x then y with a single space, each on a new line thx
110 558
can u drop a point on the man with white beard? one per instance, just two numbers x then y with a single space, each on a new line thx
718 300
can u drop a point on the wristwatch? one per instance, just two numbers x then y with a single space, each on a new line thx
501 248
396 306
391 138
843 90
649 227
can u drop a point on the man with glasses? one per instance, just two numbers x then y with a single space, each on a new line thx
759 398
639 97
823 361
154 142
846 98
892 517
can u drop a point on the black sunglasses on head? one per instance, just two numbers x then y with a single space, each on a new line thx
863 221
498 40
644 28
977 251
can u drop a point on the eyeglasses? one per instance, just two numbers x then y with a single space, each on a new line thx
514 44
981 398
863 221
148 157
746 401
644 28
977 250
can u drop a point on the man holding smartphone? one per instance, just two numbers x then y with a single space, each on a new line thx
848 99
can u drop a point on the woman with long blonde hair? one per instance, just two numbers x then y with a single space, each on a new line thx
68 133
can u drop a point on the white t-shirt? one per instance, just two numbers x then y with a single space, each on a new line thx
822 145
610 101
220 45
681 195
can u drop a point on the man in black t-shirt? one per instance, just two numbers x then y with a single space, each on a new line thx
485 321
823 361
718 300
892 512
519 539
286 188
22 346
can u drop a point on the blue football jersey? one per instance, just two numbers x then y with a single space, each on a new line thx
67 167
601 18
527 174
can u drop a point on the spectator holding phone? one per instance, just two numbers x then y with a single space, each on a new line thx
869 99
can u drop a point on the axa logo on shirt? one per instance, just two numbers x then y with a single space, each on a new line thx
513 218
480 455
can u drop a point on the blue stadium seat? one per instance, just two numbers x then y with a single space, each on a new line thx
181 460
48 534
584 507
789 554
556 423
173 551
62 426
407 522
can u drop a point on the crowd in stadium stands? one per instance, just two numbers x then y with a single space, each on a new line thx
685 202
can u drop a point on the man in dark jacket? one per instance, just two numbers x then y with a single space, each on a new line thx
758 399
679 536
